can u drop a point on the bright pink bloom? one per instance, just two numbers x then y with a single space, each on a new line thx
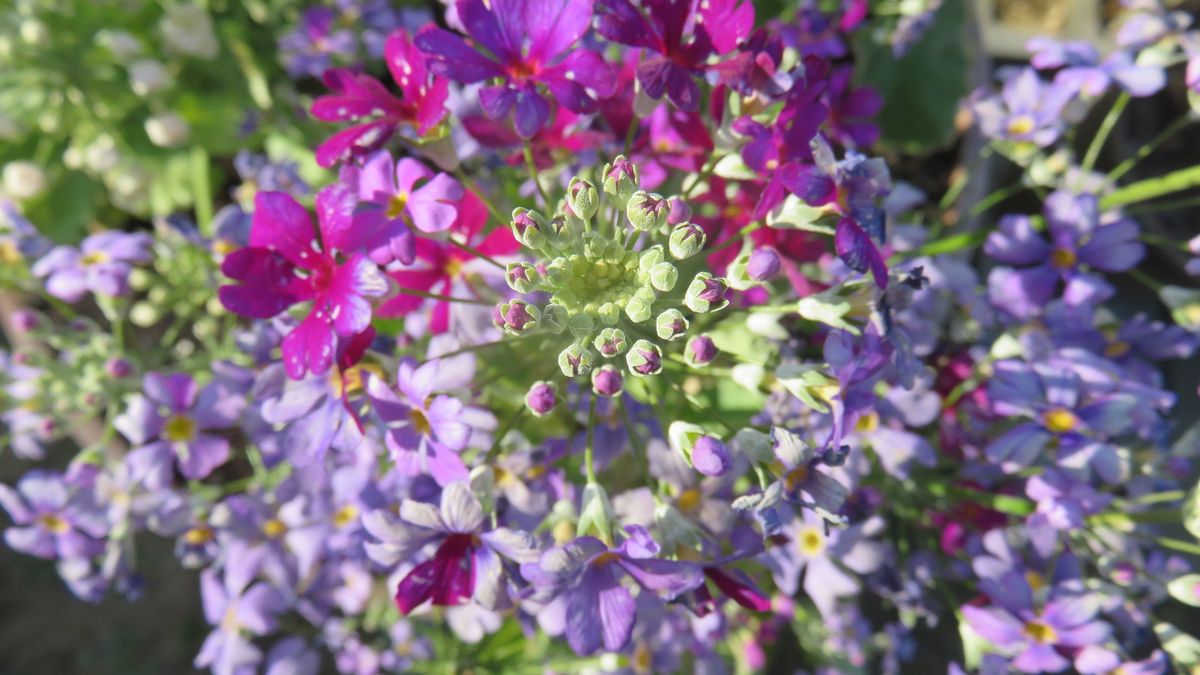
285 264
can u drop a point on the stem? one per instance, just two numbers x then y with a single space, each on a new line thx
512 422
475 252
444 298
995 198
1144 151
1175 544
1106 127
533 174
202 191
1146 280
737 238
588 460
639 451
1158 207
631 239
1166 242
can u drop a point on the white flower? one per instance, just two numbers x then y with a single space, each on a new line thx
147 76
168 130
23 180
187 29
122 45
102 154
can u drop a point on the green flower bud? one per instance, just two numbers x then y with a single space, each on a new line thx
663 276
554 318
518 316
644 358
529 227
609 313
583 198
581 325
620 180
521 277
706 294
575 361
638 309
686 240
596 514
647 211
610 342
650 257
671 325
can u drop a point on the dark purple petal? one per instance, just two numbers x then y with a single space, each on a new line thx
857 250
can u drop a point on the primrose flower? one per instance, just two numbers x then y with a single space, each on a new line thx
282 249
394 204
100 265
1026 110
364 99
523 44
312 46
52 519
238 612
1083 71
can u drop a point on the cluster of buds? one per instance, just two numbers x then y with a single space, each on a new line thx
612 262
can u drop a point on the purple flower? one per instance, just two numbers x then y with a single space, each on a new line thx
1063 502
426 431
1027 109
52 519
100 265
1083 72
315 412
169 422
1080 240
310 48
672 59
395 205
467 563
524 44
237 614
710 456
1035 632
581 584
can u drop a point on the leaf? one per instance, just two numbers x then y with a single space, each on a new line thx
805 382
921 91
65 210
1182 647
1184 304
1186 589
1150 188
1191 512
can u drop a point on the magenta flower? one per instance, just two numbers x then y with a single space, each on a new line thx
378 113
524 44
285 265
673 59
395 204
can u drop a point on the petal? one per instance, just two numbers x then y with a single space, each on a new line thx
1024 292
204 454
460 509
335 215
993 624
309 347
1114 247
857 250
599 612
667 576
282 225
267 287
450 56
1018 448
1015 242
176 391
554 26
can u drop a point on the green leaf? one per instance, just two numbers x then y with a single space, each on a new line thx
65 210
1184 304
806 383
1186 589
1151 188
1191 512
1182 647
920 91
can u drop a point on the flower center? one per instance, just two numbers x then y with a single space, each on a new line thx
94 258
9 254
229 621
605 558
420 422
1040 632
811 541
867 423
198 535
1036 581
52 523
1116 349
453 267
274 528
345 515
1021 125
397 205
1062 258
179 429
1060 420
795 477
689 500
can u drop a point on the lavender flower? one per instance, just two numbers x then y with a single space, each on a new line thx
101 265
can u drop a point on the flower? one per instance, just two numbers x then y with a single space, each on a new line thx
379 114
1079 239
100 265
52 520
394 203
1026 110
581 582
168 424
237 611
1082 71
527 44
282 248
311 47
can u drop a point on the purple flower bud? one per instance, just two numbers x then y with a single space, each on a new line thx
763 264
701 350
118 368
710 456
680 211
517 316
542 398
607 381
24 320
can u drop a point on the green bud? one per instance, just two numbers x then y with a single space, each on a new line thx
575 361
140 279
686 240
671 325
595 514
650 257
609 313
581 324
647 211
644 358
583 198
521 277
143 314
706 294
664 276
554 318
610 342
529 227
638 309
620 180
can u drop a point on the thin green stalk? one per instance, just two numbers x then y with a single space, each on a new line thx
996 197
474 187
1145 279
1144 151
475 252
533 175
1165 242
589 464
639 451
1177 545
202 191
1158 207
446 298
1106 127
512 422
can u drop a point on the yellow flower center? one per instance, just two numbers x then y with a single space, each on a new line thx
420 422
867 423
351 380
643 659
689 500
1021 125
1062 258
229 622
563 532
53 523
345 515
9 253
198 535
605 558
453 267
274 528
1060 420
1036 581
179 428
1040 632
94 258
811 541
397 205
795 477
1116 349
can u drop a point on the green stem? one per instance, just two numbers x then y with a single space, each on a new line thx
1165 242
589 464
1106 127
1177 545
533 175
1152 188
475 252
996 197
1144 151
512 422
1158 207
474 187
445 298
1145 279
639 451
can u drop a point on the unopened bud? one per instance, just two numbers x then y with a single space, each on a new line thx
521 277
706 294
700 351
583 198
610 342
763 265
620 180
575 361
647 211
687 239
671 325
680 211
541 398
607 381
644 358
529 227
664 276
118 368
710 456
638 309
518 316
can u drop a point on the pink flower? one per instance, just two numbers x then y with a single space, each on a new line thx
394 204
285 265
378 113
